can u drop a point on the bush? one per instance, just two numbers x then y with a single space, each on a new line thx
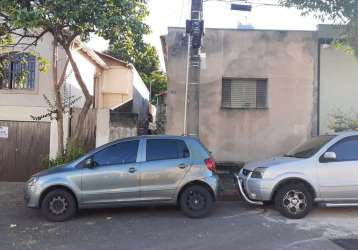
341 121
71 153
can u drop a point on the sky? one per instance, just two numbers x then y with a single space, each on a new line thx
217 14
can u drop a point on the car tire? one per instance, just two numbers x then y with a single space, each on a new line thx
293 201
58 205
196 201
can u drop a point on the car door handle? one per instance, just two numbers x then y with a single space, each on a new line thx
132 170
182 166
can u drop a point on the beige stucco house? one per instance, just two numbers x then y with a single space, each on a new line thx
262 91
257 90
110 81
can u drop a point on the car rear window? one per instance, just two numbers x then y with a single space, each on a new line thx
164 149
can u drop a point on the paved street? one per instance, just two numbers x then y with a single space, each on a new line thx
232 225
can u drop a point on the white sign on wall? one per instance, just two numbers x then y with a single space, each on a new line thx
4 132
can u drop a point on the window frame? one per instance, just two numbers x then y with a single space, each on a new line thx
321 158
113 145
178 158
223 107
32 90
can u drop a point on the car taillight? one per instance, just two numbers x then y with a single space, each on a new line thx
210 164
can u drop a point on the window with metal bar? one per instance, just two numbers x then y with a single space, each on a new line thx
244 93
17 71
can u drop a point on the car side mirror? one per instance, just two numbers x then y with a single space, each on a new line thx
330 156
89 163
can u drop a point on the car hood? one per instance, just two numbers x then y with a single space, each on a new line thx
270 163
53 170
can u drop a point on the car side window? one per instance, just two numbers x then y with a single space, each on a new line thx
120 153
346 149
165 149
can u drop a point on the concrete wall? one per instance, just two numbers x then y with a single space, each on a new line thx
102 127
140 101
123 125
161 114
285 58
338 84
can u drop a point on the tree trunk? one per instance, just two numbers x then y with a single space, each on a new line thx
58 100
86 107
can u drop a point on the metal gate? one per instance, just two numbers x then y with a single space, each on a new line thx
22 146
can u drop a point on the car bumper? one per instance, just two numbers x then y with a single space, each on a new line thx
213 182
31 196
255 189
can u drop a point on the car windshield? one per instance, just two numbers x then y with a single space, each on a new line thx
311 147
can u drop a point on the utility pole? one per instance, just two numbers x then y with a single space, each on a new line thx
195 31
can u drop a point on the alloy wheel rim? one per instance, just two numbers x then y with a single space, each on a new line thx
196 201
58 205
295 202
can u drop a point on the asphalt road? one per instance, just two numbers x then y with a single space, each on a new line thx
231 225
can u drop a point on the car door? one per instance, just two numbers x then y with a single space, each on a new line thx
114 176
338 179
166 163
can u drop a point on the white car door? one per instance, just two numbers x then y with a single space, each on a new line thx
338 179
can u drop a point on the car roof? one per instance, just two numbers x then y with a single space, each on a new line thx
154 137
343 134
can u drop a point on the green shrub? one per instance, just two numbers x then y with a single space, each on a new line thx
341 121
71 153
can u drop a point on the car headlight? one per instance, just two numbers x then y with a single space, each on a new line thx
32 180
258 173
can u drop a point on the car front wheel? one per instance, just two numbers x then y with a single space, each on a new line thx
196 201
293 201
58 205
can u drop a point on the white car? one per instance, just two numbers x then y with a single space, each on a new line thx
322 170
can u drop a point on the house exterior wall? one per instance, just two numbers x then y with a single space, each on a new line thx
285 58
19 105
33 99
338 85
87 69
115 87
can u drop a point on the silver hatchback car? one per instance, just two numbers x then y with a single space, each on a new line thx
133 171
323 170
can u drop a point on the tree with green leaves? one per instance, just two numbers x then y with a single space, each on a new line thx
145 59
119 21
342 12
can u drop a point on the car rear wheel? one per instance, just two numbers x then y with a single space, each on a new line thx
293 201
196 201
58 205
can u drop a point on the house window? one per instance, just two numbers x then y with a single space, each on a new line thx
17 71
244 93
